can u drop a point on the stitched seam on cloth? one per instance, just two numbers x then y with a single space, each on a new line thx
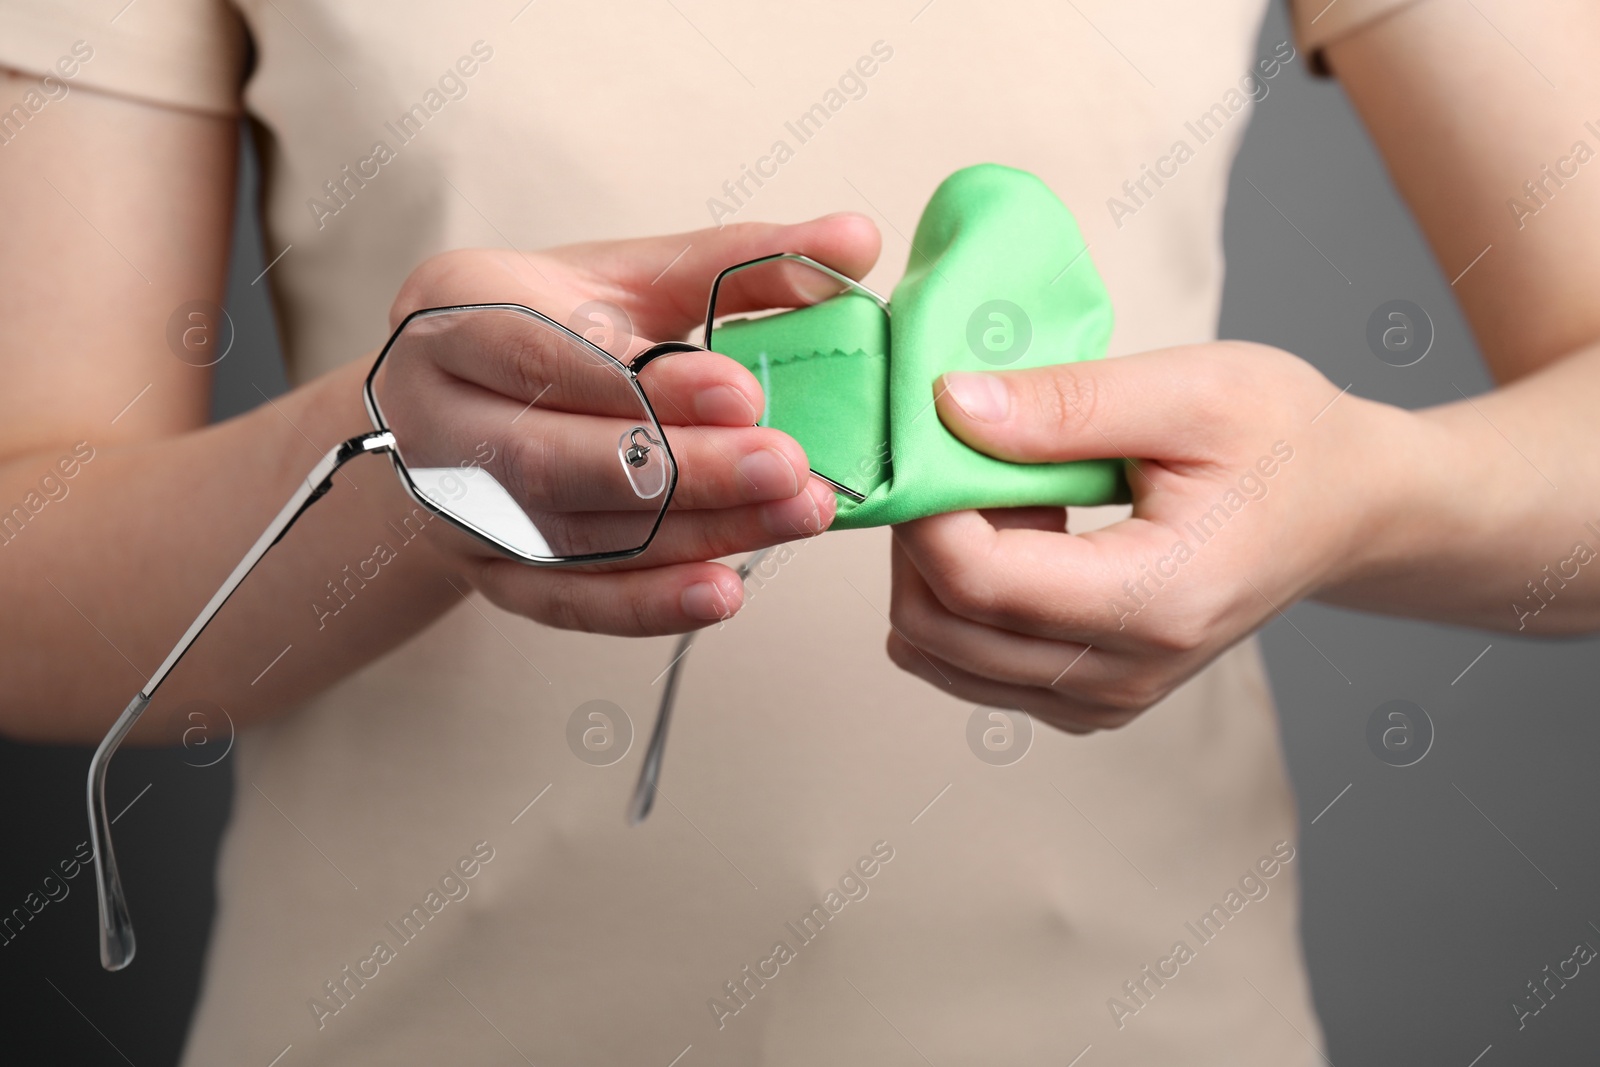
837 353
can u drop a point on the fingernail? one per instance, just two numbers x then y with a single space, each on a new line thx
980 396
766 475
723 405
704 600
827 506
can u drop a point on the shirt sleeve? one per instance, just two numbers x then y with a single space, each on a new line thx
178 53
1319 23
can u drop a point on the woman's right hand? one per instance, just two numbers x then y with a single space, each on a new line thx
501 394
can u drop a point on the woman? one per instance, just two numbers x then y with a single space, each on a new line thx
1012 913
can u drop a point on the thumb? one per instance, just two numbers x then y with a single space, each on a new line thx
664 281
1147 406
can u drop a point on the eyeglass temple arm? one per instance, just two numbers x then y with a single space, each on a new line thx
116 929
644 792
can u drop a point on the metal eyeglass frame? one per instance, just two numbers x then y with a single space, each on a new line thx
116 929
117 942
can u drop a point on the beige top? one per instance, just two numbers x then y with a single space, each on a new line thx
834 876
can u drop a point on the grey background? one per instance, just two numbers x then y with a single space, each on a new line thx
1422 921
1424 915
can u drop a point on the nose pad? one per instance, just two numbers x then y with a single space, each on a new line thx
644 462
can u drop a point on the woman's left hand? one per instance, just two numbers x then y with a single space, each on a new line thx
1256 482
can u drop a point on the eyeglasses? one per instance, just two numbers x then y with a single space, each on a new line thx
589 481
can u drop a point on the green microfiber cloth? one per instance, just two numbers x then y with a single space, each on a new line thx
999 278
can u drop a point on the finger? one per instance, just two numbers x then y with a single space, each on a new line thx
559 461
1050 520
668 590
983 650
522 356
639 603
1060 587
653 287
720 466
1061 712
773 283
682 536
664 282
1155 405
513 352
702 389
686 536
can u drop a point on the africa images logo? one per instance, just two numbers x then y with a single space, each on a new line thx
851 85
452 887
853 886
451 85
1253 887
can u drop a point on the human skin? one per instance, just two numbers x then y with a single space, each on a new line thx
100 584
1443 514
